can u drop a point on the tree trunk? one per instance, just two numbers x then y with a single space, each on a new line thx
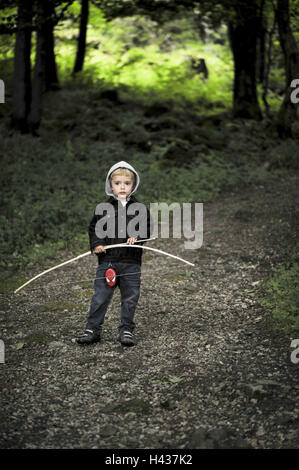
261 55
268 63
51 78
288 110
243 41
82 37
22 67
38 86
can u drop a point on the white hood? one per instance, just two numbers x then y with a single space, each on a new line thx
121 164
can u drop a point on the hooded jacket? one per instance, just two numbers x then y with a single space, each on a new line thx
125 255
121 164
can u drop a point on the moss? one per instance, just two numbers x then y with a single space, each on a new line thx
282 298
84 294
11 284
38 337
85 284
176 277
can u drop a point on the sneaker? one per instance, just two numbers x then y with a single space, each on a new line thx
89 337
126 338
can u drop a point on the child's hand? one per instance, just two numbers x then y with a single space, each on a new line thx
99 249
131 240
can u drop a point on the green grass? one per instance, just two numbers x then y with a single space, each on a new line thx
282 298
131 52
38 338
10 284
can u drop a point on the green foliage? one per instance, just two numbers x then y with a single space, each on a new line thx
167 121
40 208
282 298
8 285
51 186
206 178
49 189
153 61
284 155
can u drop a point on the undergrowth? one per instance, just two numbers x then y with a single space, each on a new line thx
282 297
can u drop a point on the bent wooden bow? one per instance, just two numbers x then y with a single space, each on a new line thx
106 248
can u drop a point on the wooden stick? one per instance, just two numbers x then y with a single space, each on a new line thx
75 259
163 253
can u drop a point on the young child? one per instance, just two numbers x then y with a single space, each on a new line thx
121 183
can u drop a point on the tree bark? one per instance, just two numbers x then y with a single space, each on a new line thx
22 67
268 63
288 110
243 41
51 78
261 41
82 37
38 86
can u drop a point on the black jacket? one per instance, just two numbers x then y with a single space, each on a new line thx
125 255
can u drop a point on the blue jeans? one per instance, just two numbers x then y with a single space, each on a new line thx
129 284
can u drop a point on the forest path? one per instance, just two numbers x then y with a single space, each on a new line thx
207 370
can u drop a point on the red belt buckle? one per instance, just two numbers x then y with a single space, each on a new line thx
110 276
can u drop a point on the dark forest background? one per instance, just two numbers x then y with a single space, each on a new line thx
200 96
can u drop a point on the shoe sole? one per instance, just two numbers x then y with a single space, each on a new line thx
125 343
87 343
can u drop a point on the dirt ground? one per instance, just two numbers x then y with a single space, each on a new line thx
207 371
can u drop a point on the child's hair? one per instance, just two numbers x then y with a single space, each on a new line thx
123 172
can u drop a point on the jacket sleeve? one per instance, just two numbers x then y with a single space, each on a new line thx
93 239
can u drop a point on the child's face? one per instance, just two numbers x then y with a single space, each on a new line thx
122 186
